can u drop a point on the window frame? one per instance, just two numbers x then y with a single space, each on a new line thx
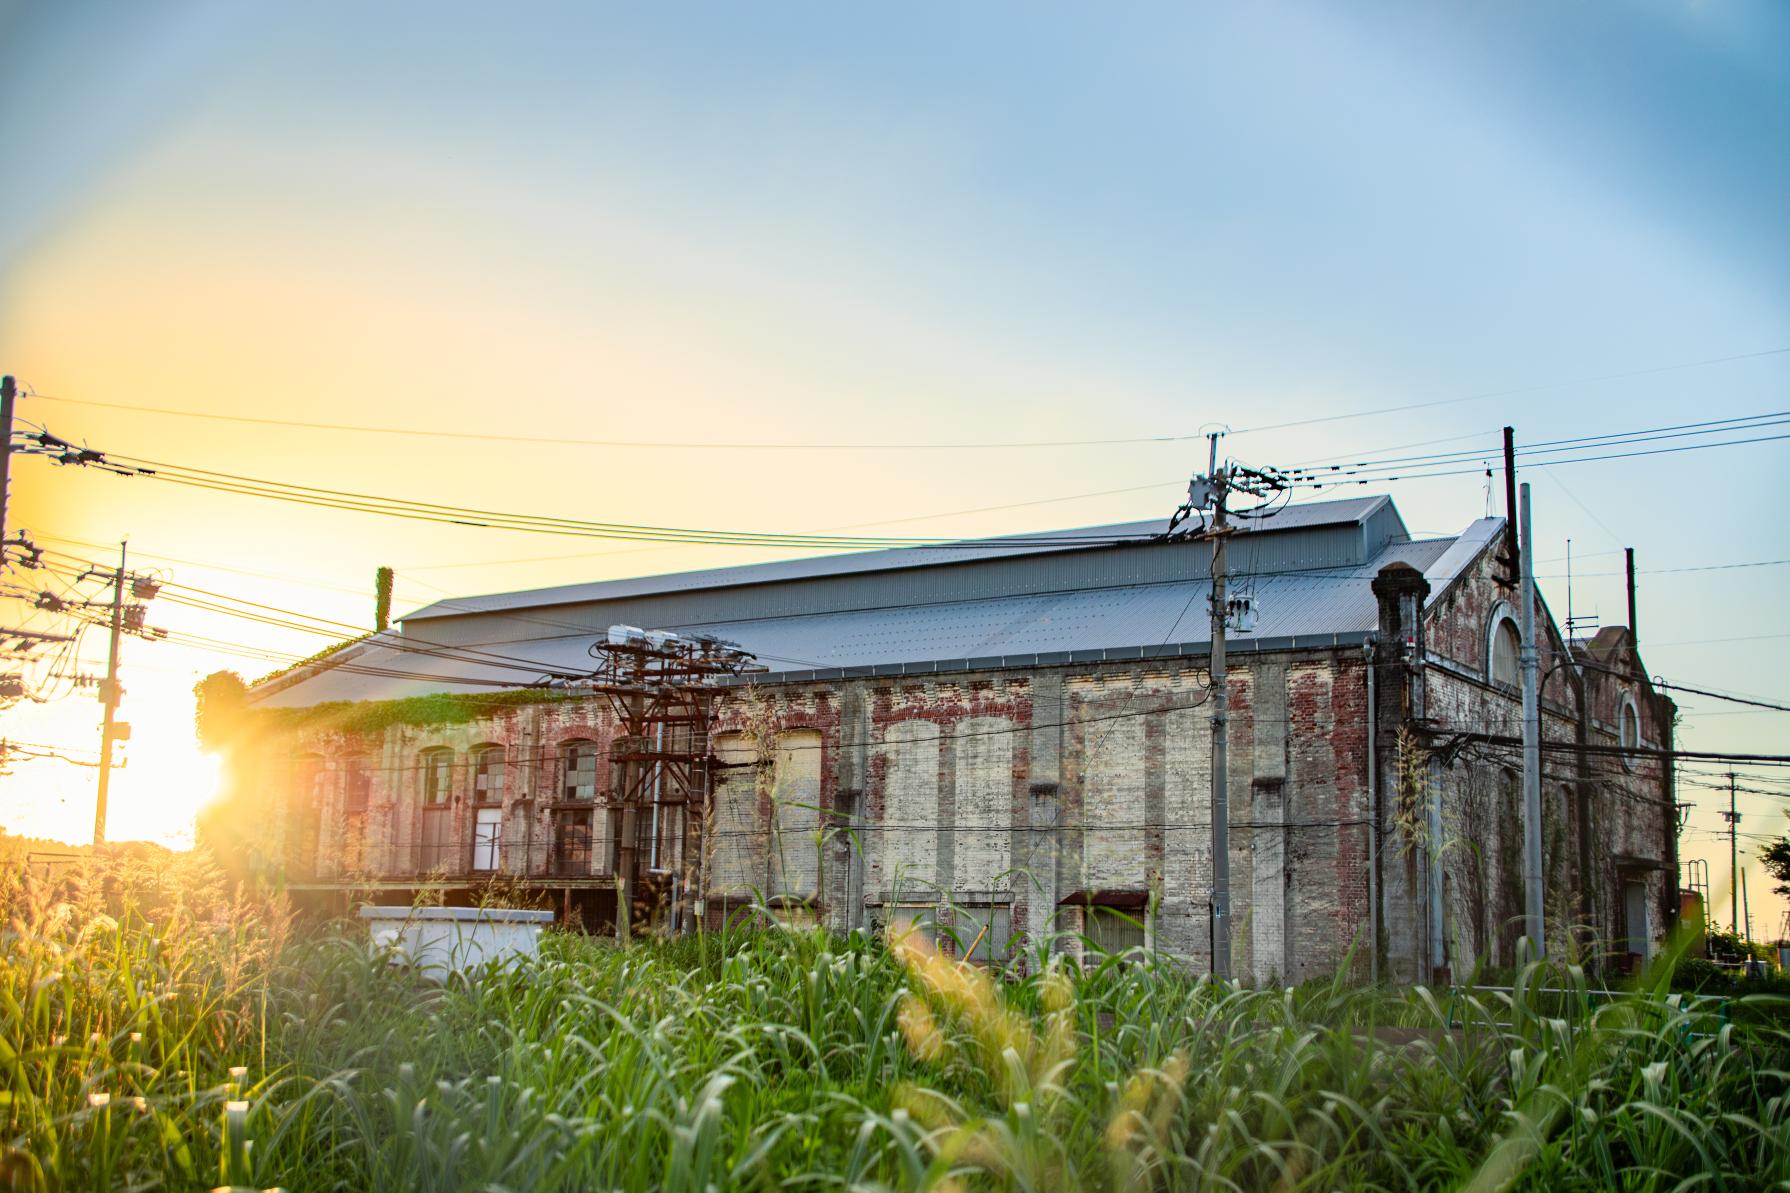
1127 919
479 758
1628 711
1503 615
487 816
569 752
357 785
437 766
995 946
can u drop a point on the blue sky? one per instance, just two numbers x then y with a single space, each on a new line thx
821 222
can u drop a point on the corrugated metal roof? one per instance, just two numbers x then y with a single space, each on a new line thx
1291 518
1297 607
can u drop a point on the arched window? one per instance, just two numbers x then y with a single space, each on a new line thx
487 774
438 776
1628 728
1504 649
578 770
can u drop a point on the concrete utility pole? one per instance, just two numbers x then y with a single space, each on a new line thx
1733 819
1531 662
8 391
1221 716
1211 491
109 695
1746 912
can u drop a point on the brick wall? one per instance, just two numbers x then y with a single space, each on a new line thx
1022 788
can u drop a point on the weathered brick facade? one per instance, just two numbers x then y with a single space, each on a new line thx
1016 796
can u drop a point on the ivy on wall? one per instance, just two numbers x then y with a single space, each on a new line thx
374 716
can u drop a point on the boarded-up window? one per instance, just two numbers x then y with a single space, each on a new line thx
1113 803
918 923
910 807
734 838
983 933
983 828
795 802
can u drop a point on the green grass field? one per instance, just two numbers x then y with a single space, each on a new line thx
158 1034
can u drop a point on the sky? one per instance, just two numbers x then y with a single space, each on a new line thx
814 224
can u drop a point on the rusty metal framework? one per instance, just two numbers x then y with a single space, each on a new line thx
661 687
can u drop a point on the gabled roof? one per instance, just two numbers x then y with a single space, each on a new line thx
922 610
1347 511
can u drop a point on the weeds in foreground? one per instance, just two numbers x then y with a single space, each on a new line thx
152 1041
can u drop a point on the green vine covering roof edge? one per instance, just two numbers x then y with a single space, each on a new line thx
439 708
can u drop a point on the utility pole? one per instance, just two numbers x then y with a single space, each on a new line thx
1211 491
1531 662
1512 550
1733 819
8 391
1629 554
1746 912
109 695
1221 716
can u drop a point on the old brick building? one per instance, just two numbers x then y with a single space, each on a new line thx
1016 737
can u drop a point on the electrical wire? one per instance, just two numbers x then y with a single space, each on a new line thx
1363 473
498 437
1672 687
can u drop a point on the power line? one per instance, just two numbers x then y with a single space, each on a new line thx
546 524
1673 687
218 481
282 618
1745 422
1708 567
496 437
1421 475
1507 393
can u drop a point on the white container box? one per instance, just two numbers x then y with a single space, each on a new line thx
444 940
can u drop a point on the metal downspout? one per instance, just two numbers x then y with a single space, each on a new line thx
1373 829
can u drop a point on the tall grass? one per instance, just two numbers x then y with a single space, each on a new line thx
180 1042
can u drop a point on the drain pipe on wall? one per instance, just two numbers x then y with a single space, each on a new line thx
1373 829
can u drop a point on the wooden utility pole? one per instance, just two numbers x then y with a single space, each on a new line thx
1629 554
109 695
1512 548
